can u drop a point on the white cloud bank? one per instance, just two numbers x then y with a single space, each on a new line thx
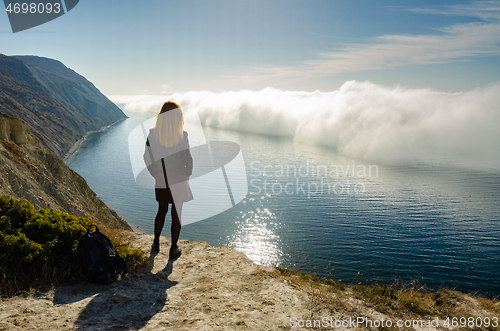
361 119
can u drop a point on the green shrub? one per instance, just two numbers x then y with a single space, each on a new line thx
133 257
37 246
40 247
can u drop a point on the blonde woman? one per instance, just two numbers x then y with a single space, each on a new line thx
169 161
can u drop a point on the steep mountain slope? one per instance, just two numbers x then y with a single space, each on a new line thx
30 171
44 109
59 105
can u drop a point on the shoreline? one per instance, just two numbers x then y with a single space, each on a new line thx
79 142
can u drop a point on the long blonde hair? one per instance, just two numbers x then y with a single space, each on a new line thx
169 124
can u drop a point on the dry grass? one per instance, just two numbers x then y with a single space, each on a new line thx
398 300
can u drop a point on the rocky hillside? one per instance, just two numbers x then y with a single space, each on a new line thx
59 105
45 108
30 171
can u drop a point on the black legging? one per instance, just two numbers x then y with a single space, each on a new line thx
176 221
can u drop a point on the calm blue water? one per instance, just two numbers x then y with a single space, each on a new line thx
436 223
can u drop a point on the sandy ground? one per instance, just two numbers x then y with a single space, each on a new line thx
207 288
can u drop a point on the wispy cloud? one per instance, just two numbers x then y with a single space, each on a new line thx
459 42
485 10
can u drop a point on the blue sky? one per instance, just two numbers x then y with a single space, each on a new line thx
159 47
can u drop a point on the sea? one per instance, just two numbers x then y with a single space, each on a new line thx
435 222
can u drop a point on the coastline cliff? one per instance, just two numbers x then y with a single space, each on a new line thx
30 171
45 108
59 105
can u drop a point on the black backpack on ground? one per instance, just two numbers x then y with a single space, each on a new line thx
100 260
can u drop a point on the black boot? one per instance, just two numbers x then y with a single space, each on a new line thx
156 246
175 252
